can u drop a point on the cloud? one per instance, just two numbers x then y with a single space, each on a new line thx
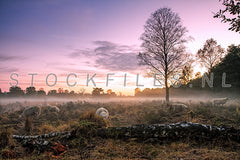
110 56
8 70
116 57
118 62
8 58
77 53
75 70
56 64
104 48
5 67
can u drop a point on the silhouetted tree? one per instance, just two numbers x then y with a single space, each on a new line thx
81 91
230 65
211 54
15 91
31 91
163 39
137 91
232 10
187 74
41 92
66 92
111 93
97 91
52 92
60 90
72 93
149 92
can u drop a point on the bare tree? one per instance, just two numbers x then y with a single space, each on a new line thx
211 54
163 40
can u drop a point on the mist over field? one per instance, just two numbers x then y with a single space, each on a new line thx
16 103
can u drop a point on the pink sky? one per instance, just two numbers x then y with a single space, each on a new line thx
62 37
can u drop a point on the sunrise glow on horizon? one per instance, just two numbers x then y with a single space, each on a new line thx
88 37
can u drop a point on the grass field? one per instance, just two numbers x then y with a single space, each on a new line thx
86 145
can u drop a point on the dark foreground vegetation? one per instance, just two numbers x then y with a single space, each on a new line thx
86 140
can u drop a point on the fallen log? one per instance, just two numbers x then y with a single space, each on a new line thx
38 142
172 132
43 136
162 132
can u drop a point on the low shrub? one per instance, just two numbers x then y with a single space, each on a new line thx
6 137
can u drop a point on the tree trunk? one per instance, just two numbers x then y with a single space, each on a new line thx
167 89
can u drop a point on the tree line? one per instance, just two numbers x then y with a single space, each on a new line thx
228 64
17 91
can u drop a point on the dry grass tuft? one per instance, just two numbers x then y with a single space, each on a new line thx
6 137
